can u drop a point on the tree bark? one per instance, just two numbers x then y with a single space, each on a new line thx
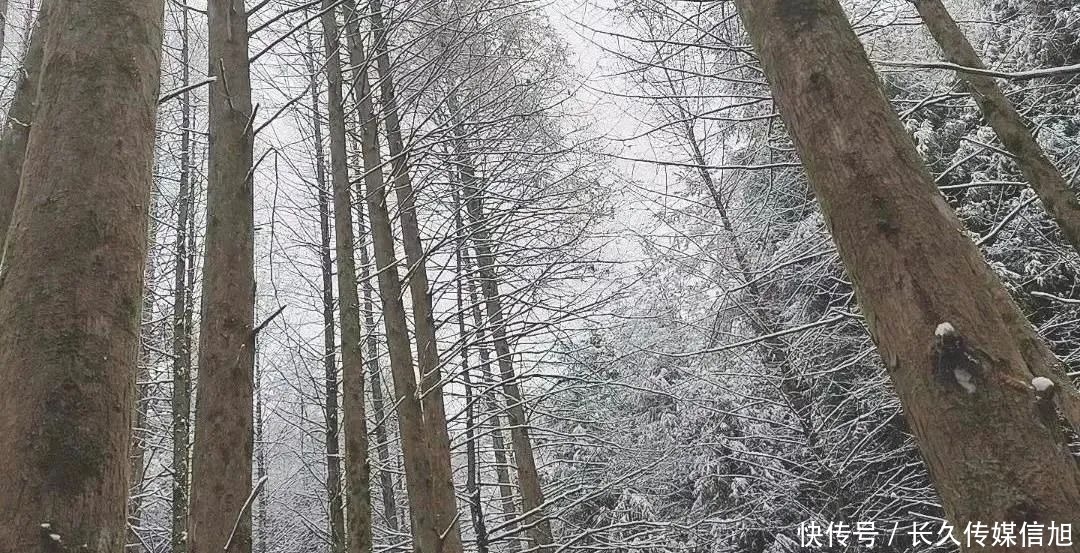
357 469
429 522
931 303
17 127
220 517
71 287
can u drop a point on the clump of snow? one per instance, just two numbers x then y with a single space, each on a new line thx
945 329
1041 384
55 537
45 525
964 379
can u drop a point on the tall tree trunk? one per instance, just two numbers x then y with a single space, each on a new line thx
382 443
1041 174
261 529
429 523
532 497
330 410
71 288
491 403
942 322
357 472
138 457
775 351
17 126
427 351
1043 177
472 487
181 330
220 517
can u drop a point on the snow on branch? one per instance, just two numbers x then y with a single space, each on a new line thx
1015 76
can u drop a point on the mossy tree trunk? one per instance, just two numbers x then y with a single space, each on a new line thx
71 288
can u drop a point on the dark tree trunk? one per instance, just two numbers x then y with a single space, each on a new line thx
427 522
371 341
181 323
532 497
330 408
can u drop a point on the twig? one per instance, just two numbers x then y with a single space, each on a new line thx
267 321
1015 76
1055 298
751 341
247 504
1012 215
174 93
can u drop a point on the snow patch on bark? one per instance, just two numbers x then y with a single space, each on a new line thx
1041 384
965 380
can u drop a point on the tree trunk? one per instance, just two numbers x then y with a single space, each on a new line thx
427 351
428 522
17 127
330 408
382 444
498 442
941 320
472 487
72 284
775 352
220 517
357 471
443 499
181 337
532 497
1043 177
262 528
142 375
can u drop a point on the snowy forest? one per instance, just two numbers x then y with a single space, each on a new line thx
539 276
